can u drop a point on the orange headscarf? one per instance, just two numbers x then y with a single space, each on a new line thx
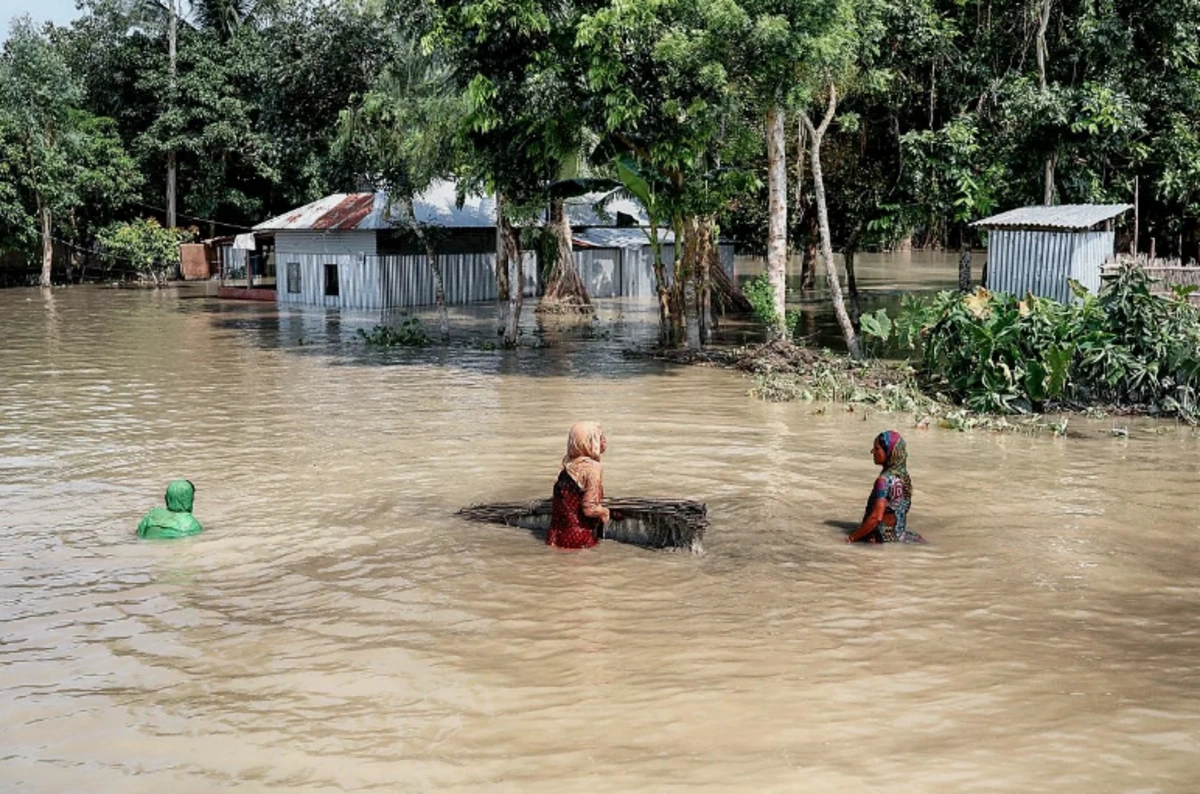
583 449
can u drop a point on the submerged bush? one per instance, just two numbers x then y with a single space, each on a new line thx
409 333
996 353
761 295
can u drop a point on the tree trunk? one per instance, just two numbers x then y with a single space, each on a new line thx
1042 53
1133 245
777 214
428 242
516 282
502 272
565 290
708 257
439 285
678 305
1048 195
171 27
808 217
47 241
816 134
808 261
660 287
964 267
1043 24
693 258
848 255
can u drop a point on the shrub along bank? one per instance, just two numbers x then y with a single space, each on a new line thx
1123 349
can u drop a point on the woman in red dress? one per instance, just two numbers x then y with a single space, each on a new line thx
578 515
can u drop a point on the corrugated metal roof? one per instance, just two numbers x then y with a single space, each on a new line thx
582 209
630 238
437 206
1062 216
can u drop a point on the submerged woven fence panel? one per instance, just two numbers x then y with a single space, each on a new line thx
668 524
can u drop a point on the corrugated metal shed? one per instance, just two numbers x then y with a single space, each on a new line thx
1060 217
1042 262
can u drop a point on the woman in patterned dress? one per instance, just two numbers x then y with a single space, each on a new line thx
578 515
886 516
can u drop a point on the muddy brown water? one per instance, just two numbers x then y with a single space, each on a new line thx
337 629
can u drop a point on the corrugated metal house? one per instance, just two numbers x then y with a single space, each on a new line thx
1037 249
619 262
357 251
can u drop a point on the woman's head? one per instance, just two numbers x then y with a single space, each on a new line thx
180 496
889 449
586 440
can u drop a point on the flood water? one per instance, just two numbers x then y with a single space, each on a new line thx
337 629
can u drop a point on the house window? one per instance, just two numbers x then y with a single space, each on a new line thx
331 281
293 278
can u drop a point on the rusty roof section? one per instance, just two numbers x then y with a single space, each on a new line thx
347 213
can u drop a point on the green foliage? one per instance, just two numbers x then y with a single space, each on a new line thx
877 325
144 245
409 333
996 353
761 295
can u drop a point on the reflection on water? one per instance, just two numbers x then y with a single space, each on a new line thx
337 629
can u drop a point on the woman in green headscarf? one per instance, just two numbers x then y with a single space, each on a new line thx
175 520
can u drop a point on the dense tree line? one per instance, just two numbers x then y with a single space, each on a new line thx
807 125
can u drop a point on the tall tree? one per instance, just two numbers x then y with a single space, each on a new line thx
407 129
37 92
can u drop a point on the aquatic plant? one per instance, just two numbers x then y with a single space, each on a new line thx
1002 354
409 333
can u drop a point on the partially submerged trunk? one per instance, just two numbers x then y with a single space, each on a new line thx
692 265
502 272
777 214
808 260
439 286
427 241
661 288
707 256
565 290
516 281
964 267
47 241
835 287
852 281
678 301
808 215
